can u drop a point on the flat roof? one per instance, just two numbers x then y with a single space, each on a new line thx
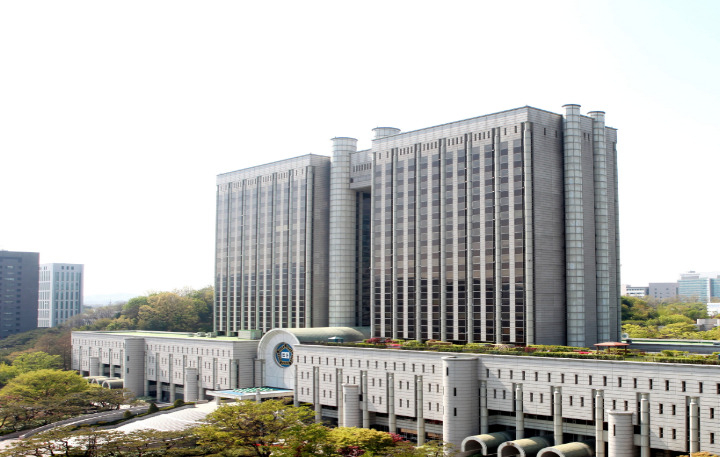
152 334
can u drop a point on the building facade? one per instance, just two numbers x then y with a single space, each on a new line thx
663 290
18 291
634 291
699 286
60 293
500 228
478 402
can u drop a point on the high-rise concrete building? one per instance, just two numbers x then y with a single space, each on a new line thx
60 293
18 291
499 228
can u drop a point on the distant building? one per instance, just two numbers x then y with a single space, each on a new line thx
632 291
713 309
18 291
60 293
699 286
662 290
707 324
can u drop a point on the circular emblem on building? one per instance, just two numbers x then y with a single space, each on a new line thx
284 355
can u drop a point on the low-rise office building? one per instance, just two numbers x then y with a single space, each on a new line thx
478 402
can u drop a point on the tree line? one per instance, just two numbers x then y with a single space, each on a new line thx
240 429
648 318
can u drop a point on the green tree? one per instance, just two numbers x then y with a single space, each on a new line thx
42 387
258 428
168 311
367 439
38 360
131 309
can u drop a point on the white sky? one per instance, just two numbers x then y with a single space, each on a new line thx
116 117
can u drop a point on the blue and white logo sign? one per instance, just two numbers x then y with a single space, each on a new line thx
284 355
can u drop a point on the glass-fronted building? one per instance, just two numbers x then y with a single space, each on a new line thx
60 294
500 228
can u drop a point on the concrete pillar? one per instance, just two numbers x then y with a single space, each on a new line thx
519 413
339 395
94 367
382 132
557 416
419 410
484 414
602 228
694 425
258 396
460 398
351 405
620 434
134 365
574 228
296 389
191 384
158 393
529 241
392 422
644 426
234 374
316 394
366 400
599 422
342 236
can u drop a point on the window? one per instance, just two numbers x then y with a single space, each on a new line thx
667 385
712 413
650 383
634 383
674 434
660 432
604 380
660 408
700 387
683 386
619 382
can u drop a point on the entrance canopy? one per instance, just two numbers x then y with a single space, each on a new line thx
251 393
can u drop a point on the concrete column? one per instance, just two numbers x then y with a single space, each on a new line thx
258 396
694 425
158 392
602 225
201 390
419 410
339 395
442 260
599 422
94 367
557 416
191 384
342 236
484 414
382 132
644 426
316 394
171 378
366 400
498 245
620 434
392 422
460 399
519 413
296 389
529 245
574 228
234 374
351 405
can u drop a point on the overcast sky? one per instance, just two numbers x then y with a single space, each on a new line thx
116 117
